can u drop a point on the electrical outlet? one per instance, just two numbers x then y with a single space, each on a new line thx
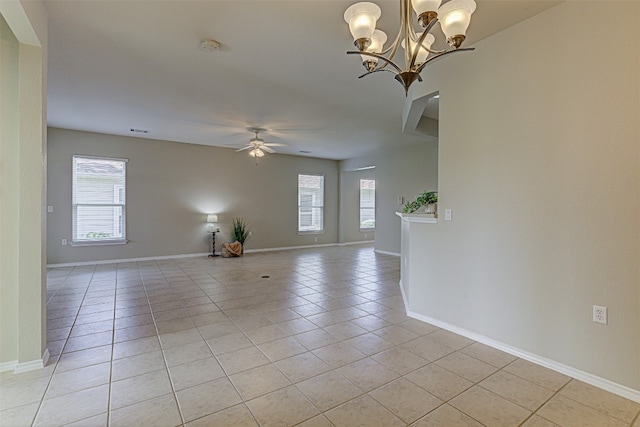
250 233
64 242
366 236
315 239
49 209
447 214
600 314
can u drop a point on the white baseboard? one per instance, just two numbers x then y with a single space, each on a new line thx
578 374
360 242
33 364
379 251
156 258
289 248
121 260
8 366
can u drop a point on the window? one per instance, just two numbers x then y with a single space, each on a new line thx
367 204
310 203
99 200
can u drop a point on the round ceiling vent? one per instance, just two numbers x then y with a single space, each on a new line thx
209 45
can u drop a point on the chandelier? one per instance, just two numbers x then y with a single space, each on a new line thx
454 17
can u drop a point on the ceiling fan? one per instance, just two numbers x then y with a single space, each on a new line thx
258 146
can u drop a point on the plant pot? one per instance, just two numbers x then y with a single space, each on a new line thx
431 208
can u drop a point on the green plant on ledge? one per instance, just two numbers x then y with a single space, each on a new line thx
424 199
240 230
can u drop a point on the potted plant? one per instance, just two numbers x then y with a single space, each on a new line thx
427 198
239 230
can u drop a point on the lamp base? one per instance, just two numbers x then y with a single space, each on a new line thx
213 245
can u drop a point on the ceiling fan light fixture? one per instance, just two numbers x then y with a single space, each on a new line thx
258 147
256 152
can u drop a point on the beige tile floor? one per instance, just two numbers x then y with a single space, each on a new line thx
323 341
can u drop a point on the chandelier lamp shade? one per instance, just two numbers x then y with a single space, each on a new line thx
454 17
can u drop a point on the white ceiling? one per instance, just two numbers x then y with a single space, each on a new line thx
117 65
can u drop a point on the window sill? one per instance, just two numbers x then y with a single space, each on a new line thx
304 233
367 230
100 243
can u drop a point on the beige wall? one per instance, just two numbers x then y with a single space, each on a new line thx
9 191
399 173
540 164
22 169
172 186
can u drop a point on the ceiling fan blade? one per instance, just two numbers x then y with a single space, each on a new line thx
245 148
276 144
267 149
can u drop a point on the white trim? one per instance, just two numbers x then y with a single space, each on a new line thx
288 248
156 258
404 298
204 254
33 364
380 251
360 242
99 242
424 218
121 260
578 374
8 366
84 156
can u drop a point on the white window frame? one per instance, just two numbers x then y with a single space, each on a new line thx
360 207
316 204
114 195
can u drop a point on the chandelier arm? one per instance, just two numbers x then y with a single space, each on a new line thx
436 52
409 21
428 30
404 29
433 58
392 50
375 71
376 55
417 49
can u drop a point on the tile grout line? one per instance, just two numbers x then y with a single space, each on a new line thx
162 349
59 356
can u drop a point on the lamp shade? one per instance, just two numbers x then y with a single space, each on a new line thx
212 218
455 17
422 6
378 39
362 18
426 43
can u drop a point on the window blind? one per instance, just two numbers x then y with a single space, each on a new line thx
310 203
367 203
99 199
